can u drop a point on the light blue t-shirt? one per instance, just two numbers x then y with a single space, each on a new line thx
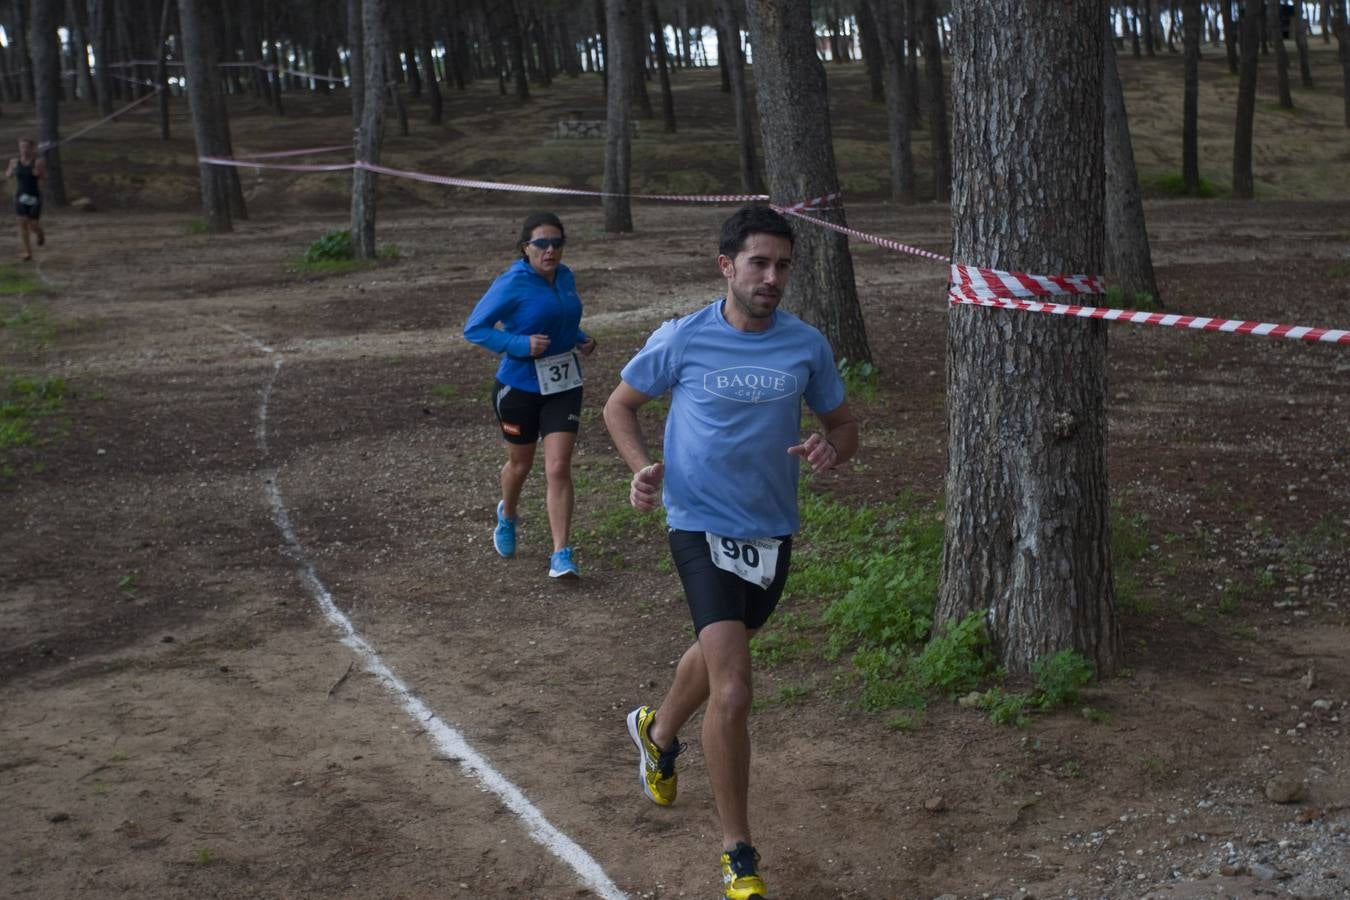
735 409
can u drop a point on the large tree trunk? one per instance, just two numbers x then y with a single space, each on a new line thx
1146 26
618 147
47 88
871 51
199 60
1190 151
1027 528
1276 35
1250 34
740 97
794 119
938 135
369 135
898 128
637 68
1128 257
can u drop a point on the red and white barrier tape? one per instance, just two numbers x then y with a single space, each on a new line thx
862 235
308 151
1009 290
130 106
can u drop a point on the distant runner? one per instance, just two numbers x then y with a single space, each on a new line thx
737 371
537 395
29 169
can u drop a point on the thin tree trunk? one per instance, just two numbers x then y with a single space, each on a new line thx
77 17
1190 152
356 65
435 106
395 94
618 149
1128 257
637 69
370 134
938 135
1146 26
46 47
1230 35
897 109
1274 31
740 99
162 68
663 68
1028 544
794 120
871 52
1243 185
1300 26
1342 28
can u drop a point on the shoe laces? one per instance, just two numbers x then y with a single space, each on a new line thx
744 860
665 763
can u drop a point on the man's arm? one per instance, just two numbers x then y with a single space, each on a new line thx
621 419
9 170
837 444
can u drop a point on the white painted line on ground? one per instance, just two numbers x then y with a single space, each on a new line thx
448 740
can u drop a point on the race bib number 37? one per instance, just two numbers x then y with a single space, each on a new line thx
755 560
558 373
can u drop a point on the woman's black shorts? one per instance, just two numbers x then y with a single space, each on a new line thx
525 416
716 595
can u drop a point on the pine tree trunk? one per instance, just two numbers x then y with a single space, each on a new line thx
1128 257
1300 26
1273 29
618 147
162 67
1250 38
897 108
370 135
46 49
1342 28
637 67
199 60
22 49
663 69
1027 530
938 135
794 120
871 52
740 99
77 16
1230 35
356 65
1190 151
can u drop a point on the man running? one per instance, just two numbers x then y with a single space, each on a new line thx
29 169
737 371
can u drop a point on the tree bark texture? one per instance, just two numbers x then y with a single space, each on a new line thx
1027 528
370 134
794 123
1341 25
663 68
1300 26
199 61
356 67
618 145
1249 42
47 89
77 18
1128 257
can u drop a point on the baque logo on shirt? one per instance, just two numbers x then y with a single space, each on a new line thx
751 384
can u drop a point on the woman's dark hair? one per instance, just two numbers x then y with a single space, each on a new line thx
533 221
750 220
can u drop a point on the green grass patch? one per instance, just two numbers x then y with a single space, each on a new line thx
1171 184
860 381
1115 298
1340 270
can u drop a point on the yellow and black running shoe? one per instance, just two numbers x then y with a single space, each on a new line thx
656 767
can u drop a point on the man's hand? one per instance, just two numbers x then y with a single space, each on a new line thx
539 344
645 492
817 451
587 347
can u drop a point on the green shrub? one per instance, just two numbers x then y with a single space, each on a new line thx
333 246
1060 677
956 661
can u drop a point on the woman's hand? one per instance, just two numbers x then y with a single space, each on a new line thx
587 347
539 344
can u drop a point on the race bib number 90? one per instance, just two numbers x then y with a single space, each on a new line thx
558 373
755 559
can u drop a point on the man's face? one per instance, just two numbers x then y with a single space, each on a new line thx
25 148
758 275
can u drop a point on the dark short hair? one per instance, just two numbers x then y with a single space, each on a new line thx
533 221
748 220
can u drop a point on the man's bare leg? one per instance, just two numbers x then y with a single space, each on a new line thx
23 238
726 730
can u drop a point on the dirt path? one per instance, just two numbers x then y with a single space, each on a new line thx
182 718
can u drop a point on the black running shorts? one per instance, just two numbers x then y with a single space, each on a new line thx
716 595
28 210
525 416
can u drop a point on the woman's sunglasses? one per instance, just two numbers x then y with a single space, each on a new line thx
547 243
